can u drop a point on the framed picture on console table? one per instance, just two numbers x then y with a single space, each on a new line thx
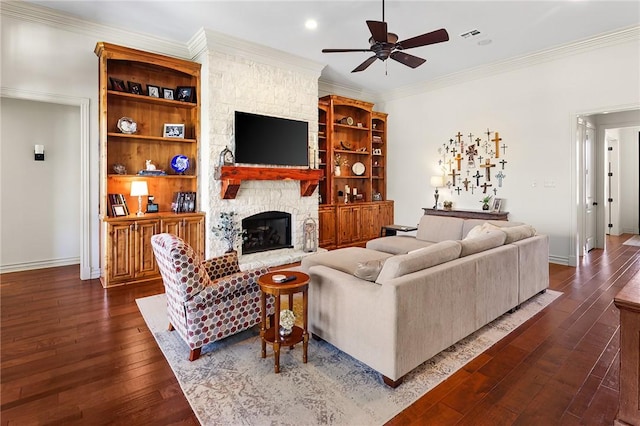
497 205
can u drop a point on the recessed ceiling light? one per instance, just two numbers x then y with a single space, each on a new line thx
311 24
485 42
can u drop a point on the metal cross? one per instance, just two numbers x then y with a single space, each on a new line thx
485 186
471 152
466 183
458 190
504 148
477 176
500 176
503 162
453 174
495 191
472 188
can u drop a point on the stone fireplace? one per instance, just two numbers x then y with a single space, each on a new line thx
241 76
266 231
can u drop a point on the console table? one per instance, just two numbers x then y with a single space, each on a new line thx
467 214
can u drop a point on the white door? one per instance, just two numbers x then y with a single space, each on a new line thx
590 204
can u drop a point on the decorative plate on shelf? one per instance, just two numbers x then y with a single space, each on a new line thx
127 125
358 168
180 163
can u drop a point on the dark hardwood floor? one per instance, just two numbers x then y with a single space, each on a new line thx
72 352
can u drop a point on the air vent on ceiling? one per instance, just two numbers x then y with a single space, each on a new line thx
469 34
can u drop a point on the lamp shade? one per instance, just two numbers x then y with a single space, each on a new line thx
139 188
437 181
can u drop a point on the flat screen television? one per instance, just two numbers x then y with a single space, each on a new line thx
261 139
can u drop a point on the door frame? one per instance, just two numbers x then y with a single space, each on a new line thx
85 207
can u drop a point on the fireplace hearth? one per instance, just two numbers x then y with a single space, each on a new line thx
266 231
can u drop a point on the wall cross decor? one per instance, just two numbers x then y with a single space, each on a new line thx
458 159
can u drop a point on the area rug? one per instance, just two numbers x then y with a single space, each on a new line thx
231 385
633 241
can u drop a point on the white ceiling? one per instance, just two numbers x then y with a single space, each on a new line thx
515 28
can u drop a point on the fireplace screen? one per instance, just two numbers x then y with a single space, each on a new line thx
266 231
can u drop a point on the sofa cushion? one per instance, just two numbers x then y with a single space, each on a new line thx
397 244
427 257
517 233
439 228
482 242
369 270
344 259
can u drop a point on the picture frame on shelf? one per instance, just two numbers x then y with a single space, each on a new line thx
118 210
497 205
173 131
153 91
167 93
117 84
185 93
135 88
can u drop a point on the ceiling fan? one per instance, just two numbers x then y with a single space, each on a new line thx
385 45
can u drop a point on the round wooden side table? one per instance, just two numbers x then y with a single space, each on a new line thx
272 335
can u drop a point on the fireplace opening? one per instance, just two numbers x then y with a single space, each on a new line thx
266 231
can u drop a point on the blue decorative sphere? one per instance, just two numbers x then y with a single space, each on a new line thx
180 163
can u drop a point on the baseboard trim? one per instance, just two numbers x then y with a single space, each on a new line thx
560 260
40 264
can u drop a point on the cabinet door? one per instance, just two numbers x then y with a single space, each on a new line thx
327 227
348 225
192 231
370 221
120 246
145 262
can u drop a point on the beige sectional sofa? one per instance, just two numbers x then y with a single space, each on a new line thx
403 299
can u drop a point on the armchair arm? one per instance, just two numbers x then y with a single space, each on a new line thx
229 284
222 266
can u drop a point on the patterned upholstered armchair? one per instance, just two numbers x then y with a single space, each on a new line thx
206 300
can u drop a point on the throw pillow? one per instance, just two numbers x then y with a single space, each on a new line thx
479 230
517 233
484 242
369 270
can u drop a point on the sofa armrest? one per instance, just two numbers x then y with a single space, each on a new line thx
230 284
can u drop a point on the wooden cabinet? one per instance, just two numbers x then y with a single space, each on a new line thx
129 252
126 254
350 132
358 223
190 228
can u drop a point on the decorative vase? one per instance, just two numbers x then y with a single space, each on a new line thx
485 206
284 332
336 170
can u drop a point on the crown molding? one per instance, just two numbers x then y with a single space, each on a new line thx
28 12
210 40
630 34
326 87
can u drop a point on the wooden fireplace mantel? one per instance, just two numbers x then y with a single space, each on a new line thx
232 177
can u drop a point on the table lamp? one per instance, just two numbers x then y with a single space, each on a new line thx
437 182
139 189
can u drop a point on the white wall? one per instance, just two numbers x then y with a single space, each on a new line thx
534 109
40 208
629 139
48 55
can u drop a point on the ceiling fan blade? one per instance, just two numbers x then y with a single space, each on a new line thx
363 66
378 30
437 36
344 50
408 60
